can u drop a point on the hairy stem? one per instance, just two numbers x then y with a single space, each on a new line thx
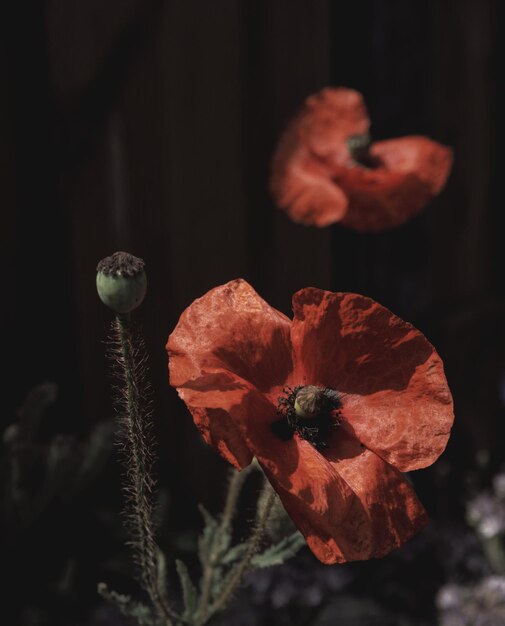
235 484
133 406
265 503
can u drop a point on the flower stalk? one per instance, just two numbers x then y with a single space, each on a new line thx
235 484
121 284
138 456
234 577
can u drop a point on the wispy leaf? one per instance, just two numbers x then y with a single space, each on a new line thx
280 552
131 608
189 593
206 539
234 554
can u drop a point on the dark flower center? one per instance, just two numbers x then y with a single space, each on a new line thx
359 148
312 412
121 264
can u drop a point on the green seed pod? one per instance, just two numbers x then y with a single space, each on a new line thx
121 281
310 401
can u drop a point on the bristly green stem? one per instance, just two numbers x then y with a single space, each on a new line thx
138 455
265 503
235 484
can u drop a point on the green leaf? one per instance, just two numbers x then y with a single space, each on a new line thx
222 540
189 594
162 574
140 612
206 539
234 554
280 552
209 520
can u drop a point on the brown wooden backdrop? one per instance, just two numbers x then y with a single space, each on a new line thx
148 126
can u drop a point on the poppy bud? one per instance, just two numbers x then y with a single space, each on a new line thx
121 281
310 401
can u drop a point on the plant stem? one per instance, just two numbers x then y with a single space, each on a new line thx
138 458
265 503
236 481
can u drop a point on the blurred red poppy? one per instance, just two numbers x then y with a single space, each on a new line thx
334 404
325 169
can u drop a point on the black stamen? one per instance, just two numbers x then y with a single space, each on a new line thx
359 148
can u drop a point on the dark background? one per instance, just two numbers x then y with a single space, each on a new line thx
148 126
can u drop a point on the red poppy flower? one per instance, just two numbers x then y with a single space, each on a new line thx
325 170
334 404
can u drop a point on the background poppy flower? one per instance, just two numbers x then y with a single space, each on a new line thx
232 358
325 170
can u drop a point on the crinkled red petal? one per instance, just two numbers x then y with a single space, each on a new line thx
314 142
410 172
393 510
225 343
383 512
310 198
231 329
429 160
328 119
209 399
379 199
220 431
395 394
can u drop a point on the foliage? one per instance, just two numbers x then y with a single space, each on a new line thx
222 564
65 464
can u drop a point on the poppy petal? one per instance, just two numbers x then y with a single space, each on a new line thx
314 141
311 198
395 394
382 510
410 172
224 344
379 199
220 432
328 119
208 398
428 160
231 329
389 512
